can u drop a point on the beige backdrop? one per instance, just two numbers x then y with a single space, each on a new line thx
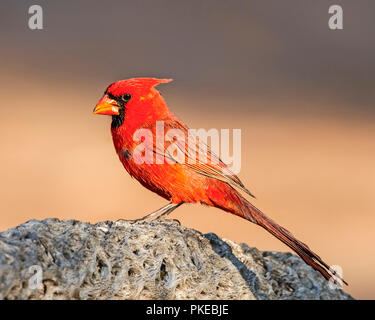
302 95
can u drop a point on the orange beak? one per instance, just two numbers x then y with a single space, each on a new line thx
107 106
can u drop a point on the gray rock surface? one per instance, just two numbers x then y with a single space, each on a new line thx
54 259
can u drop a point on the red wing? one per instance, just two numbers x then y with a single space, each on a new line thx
213 167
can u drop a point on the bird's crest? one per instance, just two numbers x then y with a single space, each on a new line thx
136 84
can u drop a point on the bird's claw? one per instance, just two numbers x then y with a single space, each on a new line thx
135 221
167 220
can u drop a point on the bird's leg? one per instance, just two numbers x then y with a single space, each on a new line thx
162 216
167 209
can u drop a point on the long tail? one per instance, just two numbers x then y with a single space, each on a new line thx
254 215
233 202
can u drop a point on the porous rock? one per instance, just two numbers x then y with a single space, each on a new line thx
53 259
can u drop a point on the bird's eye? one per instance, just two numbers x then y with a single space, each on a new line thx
126 97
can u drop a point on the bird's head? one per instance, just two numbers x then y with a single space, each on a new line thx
127 94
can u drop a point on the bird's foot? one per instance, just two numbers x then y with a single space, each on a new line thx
141 220
162 219
135 221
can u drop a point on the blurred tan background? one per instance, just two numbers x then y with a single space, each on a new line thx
302 94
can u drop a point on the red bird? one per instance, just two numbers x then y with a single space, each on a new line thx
136 104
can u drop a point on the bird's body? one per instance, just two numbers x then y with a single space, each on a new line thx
135 104
174 182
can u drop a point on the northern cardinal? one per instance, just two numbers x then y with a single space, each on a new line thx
136 104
